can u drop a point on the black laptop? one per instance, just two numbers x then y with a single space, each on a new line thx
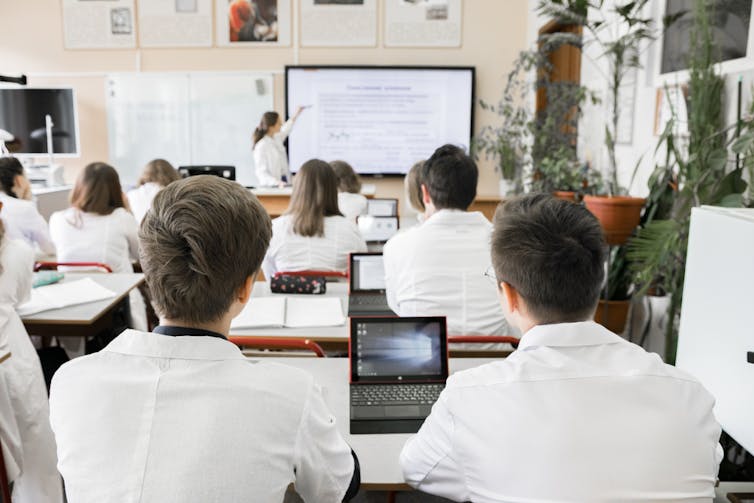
366 290
398 369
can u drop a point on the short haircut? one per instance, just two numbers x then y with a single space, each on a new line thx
314 197
450 177
348 180
10 168
413 187
97 190
200 241
159 171
552 252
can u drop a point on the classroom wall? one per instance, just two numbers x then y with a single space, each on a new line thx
31 42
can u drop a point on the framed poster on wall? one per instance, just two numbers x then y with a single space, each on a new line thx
423 23
343 23
253 22
99 24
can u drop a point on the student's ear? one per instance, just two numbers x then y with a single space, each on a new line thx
244 293
425 195
510 297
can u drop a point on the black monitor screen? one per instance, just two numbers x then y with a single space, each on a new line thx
22 114
398 349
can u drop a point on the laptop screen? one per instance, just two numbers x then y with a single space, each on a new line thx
367 272
398 349
382 207
377 229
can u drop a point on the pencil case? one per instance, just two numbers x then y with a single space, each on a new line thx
285 283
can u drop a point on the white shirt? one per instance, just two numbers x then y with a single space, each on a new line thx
23 221
292 252
437 269
352 205
30 442
109 239
156 418
575 414
271 159
140 199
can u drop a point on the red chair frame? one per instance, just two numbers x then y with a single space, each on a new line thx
39 266
277 343
484 339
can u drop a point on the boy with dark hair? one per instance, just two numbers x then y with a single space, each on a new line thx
180 414
577 413
438 268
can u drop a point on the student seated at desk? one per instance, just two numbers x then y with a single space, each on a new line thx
180 414
350 201
438 268
312 234
576 414
157 174
20 214
99 228
37 479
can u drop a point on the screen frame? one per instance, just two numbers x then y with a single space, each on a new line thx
351 287
472 118
378 199
76 127
353 356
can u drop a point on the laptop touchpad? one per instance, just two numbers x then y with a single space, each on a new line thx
402 411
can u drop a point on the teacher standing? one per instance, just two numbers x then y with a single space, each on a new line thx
270 158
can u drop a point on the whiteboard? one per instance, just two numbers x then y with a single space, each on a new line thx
185 118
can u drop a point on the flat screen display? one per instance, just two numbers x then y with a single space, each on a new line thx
381 120
405 348
22 114
367 272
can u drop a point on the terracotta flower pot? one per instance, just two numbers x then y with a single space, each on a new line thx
566 195
614 317
618 215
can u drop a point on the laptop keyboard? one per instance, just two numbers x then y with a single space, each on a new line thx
396 394
367 300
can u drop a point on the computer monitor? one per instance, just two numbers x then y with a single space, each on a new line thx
382 207
377 229
227 172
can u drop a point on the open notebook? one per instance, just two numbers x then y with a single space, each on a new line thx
70 293
291 312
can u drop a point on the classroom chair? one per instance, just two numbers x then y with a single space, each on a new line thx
277 343
46 266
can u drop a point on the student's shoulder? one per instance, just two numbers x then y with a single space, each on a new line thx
15 252
402 240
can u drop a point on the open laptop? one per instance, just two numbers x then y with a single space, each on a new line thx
377 229
398 369
366 289
382 207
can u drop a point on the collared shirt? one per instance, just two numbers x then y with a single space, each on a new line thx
437 269
575 414
289 251
173 419
352 205
140 199
23 221
175 331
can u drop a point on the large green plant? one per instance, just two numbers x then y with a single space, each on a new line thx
694 173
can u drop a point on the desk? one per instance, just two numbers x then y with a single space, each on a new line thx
333 338
732 487
275 200
378 454
486 204
83 320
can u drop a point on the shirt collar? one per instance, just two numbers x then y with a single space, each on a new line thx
191 347
181 331
456 217
583 333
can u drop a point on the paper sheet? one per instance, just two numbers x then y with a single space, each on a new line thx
291 312
339 23
172 23
71 293
261 312
98 24
423 23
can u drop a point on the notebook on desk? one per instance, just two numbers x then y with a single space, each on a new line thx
398 369
290 312
366 290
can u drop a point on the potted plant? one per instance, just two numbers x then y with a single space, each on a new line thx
696 171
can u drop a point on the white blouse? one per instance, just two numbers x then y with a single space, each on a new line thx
140 199
352 205
23 221
271 159
292 252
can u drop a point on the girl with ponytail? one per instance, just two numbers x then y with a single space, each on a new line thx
270 159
